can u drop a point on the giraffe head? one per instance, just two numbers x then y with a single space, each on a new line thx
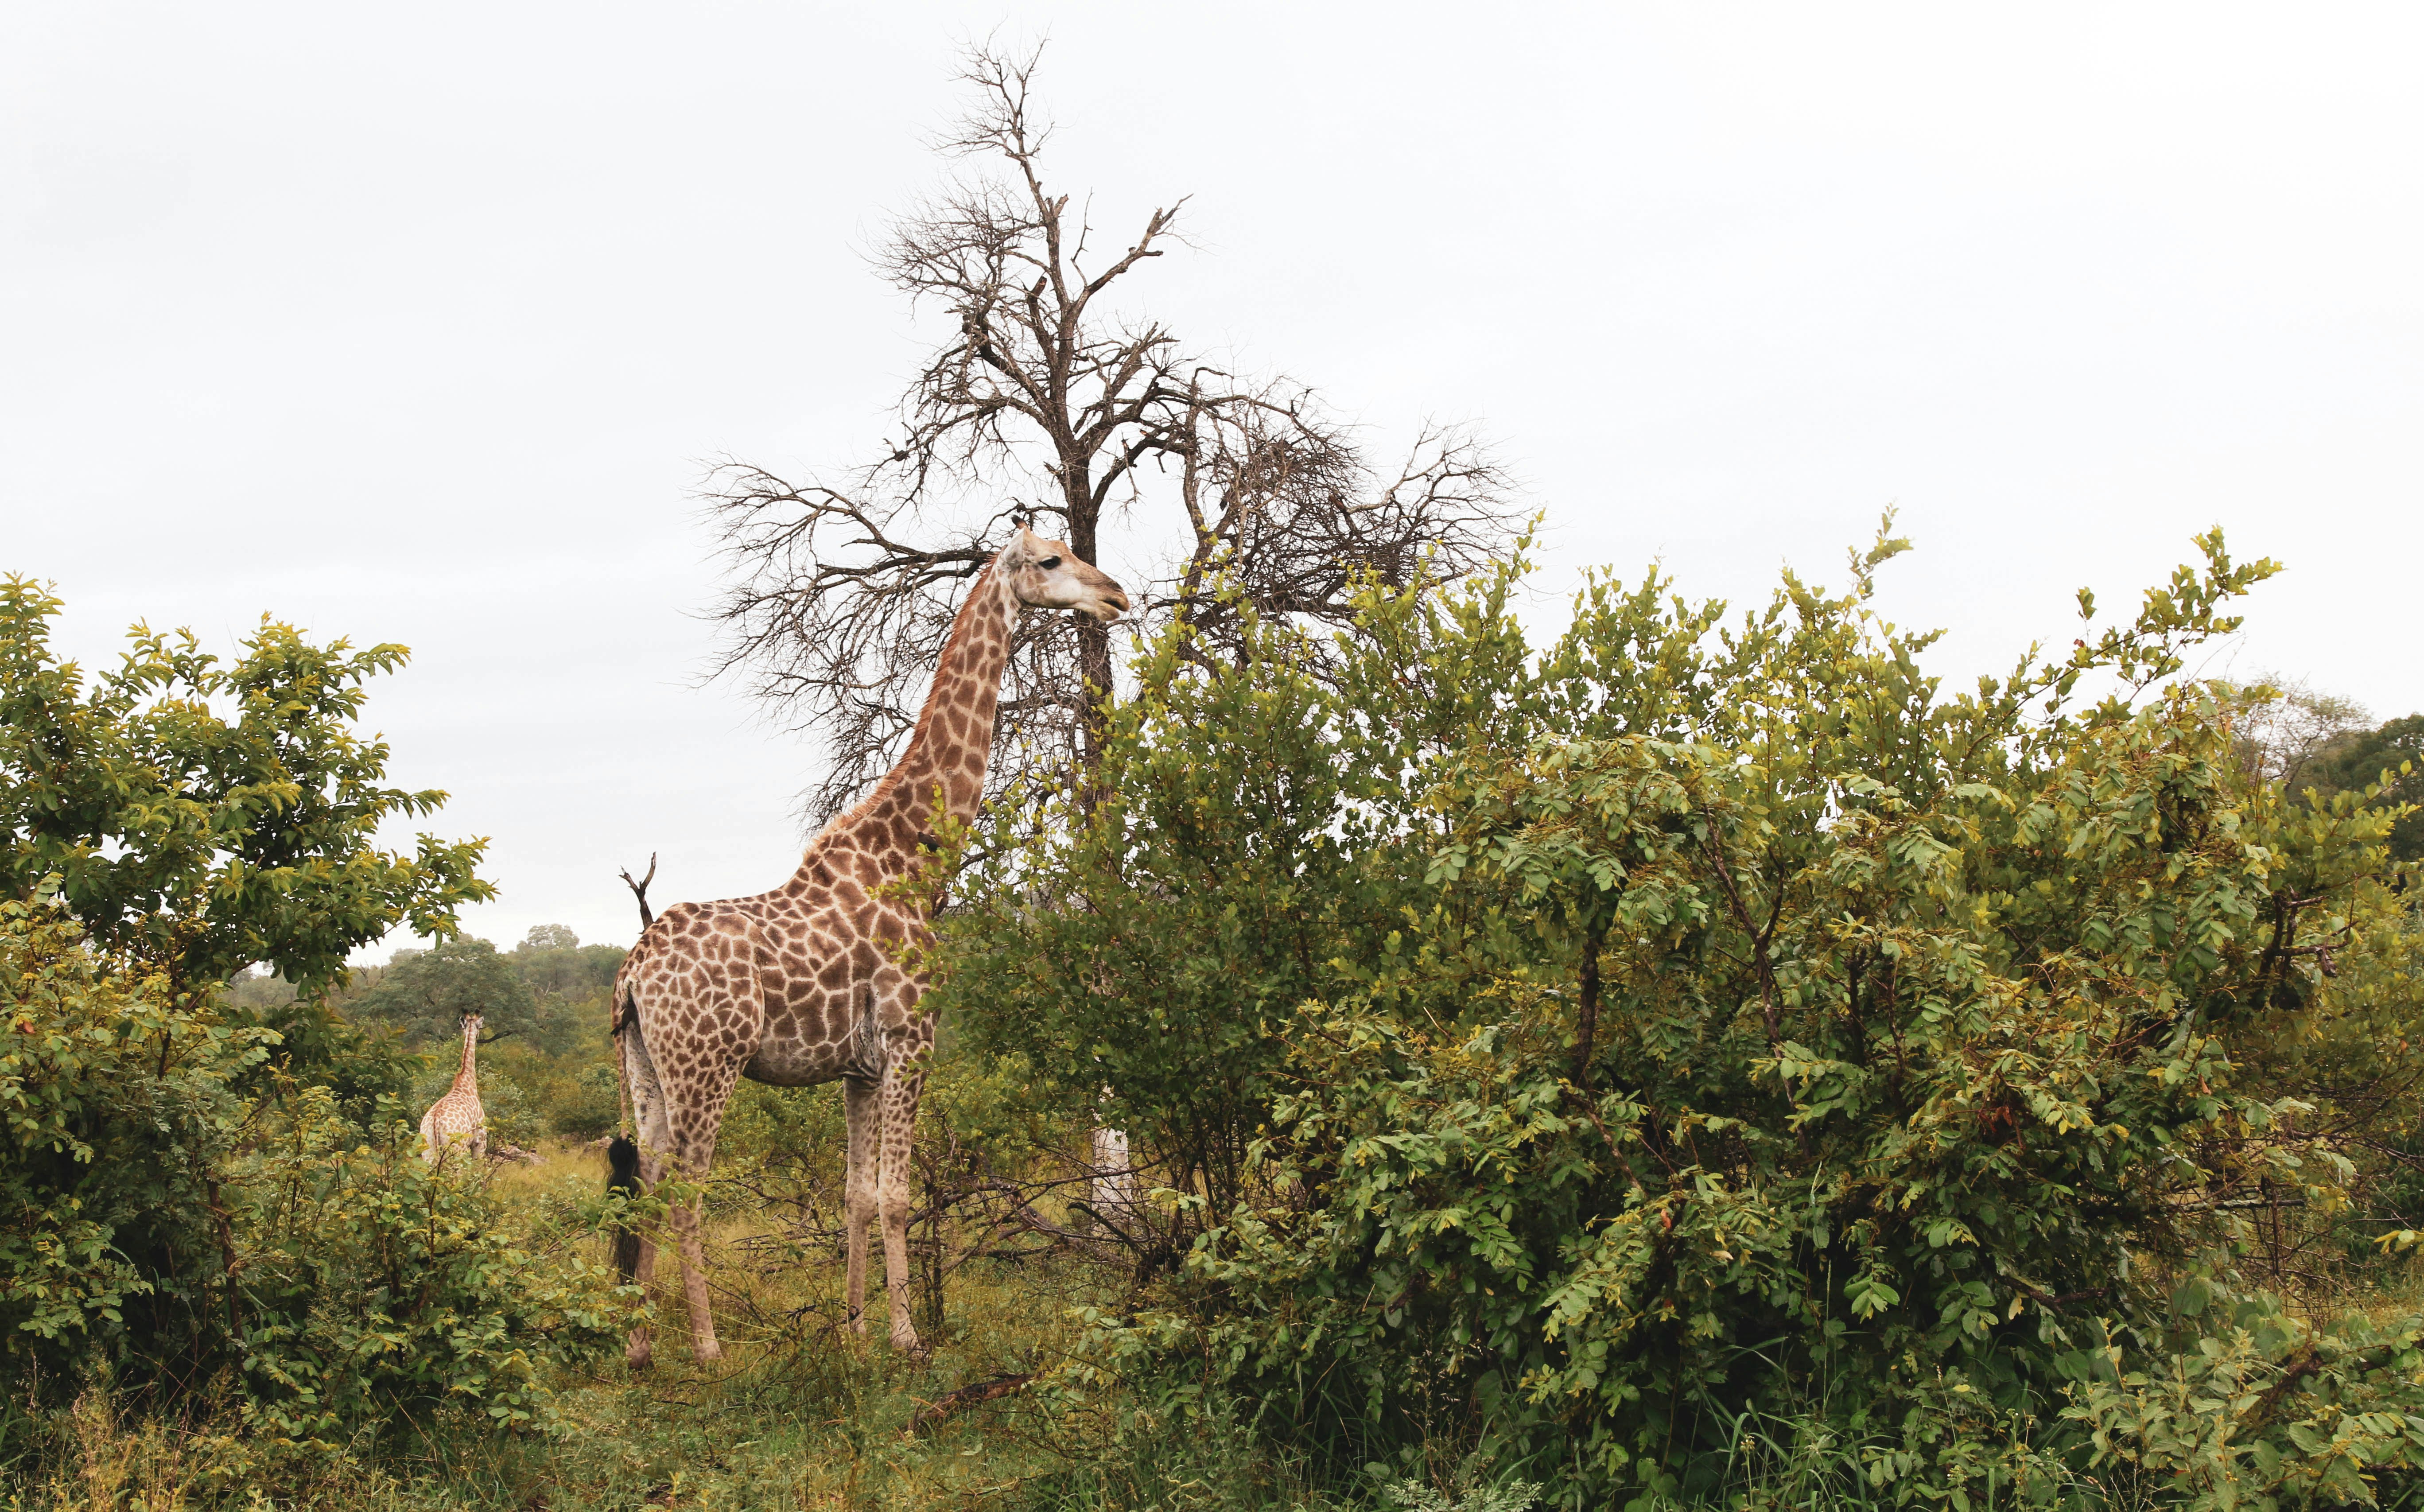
1045 574
472 1025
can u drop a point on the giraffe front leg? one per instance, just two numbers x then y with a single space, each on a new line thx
863 1159
901 1087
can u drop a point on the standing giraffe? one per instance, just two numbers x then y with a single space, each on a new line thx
458 1116
804 984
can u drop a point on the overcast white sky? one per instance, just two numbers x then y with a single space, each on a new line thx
418 324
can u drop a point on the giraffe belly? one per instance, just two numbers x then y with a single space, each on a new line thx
784 1061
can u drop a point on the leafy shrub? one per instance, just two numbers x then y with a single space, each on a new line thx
116 1108
2384 767
588 1102
1695 1023
2247 1403
159 1230
1146 953
208 1205
374 1290
368 1070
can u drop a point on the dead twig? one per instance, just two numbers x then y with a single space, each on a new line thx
968 1397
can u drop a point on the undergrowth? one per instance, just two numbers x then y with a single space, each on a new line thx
802 1413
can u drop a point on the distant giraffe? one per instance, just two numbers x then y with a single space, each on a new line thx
458 1116
802 985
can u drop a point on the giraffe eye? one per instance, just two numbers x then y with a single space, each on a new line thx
1049 562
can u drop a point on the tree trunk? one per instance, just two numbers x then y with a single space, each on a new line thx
1586 1018
1093 637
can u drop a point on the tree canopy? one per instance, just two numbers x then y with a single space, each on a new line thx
2389 756
205 816
428 994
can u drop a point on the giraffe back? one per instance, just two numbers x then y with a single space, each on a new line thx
784 981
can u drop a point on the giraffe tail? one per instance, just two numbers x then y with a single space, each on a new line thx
622 1152
623 1176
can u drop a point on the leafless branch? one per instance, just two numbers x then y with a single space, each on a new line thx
1043 399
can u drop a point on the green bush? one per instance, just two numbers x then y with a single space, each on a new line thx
2243 1403
200 817
211 1208
2383 767
587 1103
117 1110
377 1291
1696 1024
260 1255
1146 954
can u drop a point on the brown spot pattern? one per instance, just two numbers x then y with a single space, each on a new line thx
796 986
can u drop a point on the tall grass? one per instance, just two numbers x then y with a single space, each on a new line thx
800 1412
803 1413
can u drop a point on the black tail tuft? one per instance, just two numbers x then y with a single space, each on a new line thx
623 1175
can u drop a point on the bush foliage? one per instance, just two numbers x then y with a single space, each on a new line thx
116 1109
1696 1019
1704 1058
377 1290
201 843
168 1234
214 1208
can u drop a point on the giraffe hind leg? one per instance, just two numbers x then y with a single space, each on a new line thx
650 1121
678 1123
688 1220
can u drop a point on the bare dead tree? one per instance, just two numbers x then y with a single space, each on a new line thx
1044 400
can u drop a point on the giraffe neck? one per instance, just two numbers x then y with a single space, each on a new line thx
948 752
468 1078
